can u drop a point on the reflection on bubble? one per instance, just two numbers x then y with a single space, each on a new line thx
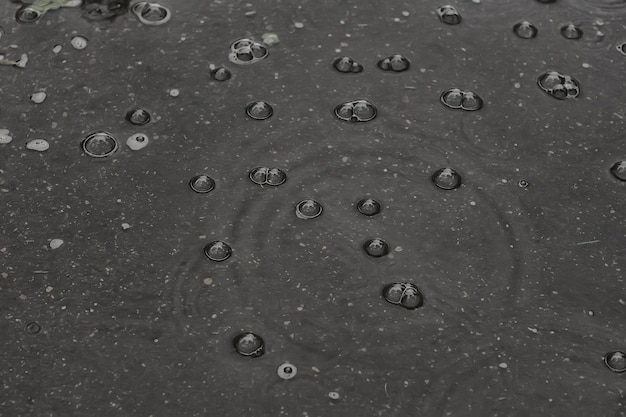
525 30
618 170
396 63
217 251
571 31
558 85
246 52
346 64
615 361
221 74
446 179
152 14
449 15
376 247
249 344
33 327
455 98
259 110
356 111
100 144
202 184
138 117
286 371
368 207
308 209
405 294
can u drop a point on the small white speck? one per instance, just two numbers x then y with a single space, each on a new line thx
503 365
405 13
57 48
208 281
79 42
49 289
38 97
125 226
56 243
298 25
590 312
38 145
472 203
333 395
174 92
517 85
586 65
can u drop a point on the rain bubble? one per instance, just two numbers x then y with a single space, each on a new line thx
33 327
276 176
259 175
259 110
286 371
221 74
471 101
202 184
615 361
376 247
246 52
308 209
138 116
39 145
619 170
356 111
525 30
393 292
558 85
346 64
27 14
249 344
100 144
79 42
449 15
446 179
151 13
137 141
403 293
571 31
396 63
368 206
217 251
452 98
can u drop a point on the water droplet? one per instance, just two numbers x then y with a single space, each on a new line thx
33 327
137 141
246 52
376 247
221 74
217 251
39 145
38 97
27 14
287 371
525 30
452 98
202 183
249 344
276 176
308 209
449 15
151 13
558 85
100 144
396 63
346 64
405 294
259 110
621 48
356 111
615 361
138 117
79 42
619 170
446 179
571 31
523 184
368 206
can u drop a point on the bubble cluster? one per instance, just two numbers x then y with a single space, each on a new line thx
346 64
615 361
356 111
138 117
571 31
449 15
267 176
246 52
618 170
376 247
525 30
100 144
217 251
558 85
220 74
455 98
368 207
259 110
249 344
152 14
396 63
308 209
405 294
33 327
202 183
446 179
286 371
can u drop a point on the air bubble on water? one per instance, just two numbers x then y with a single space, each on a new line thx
137 141
449 15
100 144
138 116
616 361
618 170
249 344
347 65
202 184
376 247
571 31
308 209
525 30
446 179
356 111
395 63
217 251
39 145
368 207
152 14
221 74
5 137
259 110
79 42
286 371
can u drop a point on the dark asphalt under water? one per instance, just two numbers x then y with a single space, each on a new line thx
523 285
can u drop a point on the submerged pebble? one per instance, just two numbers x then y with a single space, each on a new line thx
38 145
137 141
